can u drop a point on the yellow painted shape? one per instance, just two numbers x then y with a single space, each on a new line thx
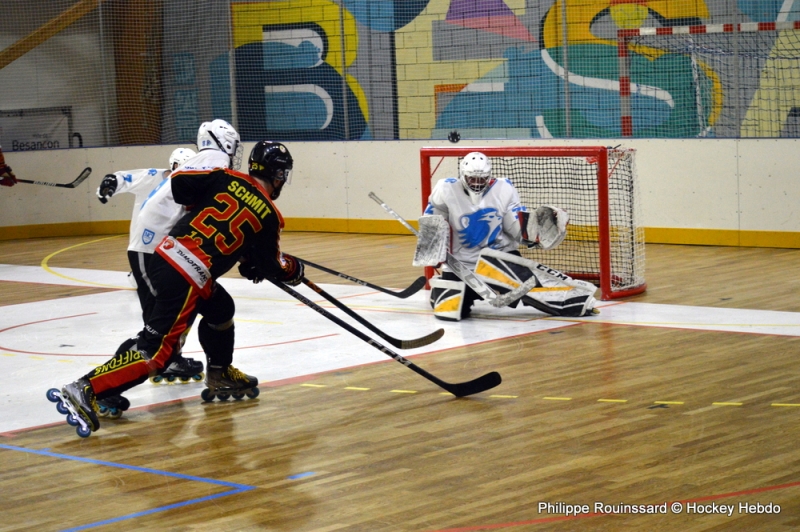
785 404
8 354
487 270
314 385
449 305
402 391
667 402
47 268
612 400
356 388
557 398
250 18
504 396
727 404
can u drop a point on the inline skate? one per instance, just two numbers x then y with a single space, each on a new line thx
224 383
77 401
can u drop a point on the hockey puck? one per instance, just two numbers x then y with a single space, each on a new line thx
454 136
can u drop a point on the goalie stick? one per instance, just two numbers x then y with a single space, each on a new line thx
465 274
459 389
415 287
401 344
80 179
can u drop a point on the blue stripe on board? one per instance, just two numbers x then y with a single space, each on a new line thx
301 475
238 488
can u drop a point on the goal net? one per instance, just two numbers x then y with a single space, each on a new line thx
597 186
723 80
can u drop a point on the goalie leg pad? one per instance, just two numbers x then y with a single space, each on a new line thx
447 298
571 303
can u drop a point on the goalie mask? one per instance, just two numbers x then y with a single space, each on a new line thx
271 161
180 156
220 135
475 173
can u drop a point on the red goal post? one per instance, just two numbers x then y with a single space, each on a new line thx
596 185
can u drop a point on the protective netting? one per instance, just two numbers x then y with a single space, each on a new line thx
722 83
571 183
132 72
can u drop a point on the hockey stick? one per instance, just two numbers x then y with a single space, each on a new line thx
460 389
401 344
80 179
415 287
465 274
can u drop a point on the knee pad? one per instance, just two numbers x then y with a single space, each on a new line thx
447 298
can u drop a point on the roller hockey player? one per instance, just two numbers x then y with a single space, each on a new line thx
7 177
142 183
184 272
488 224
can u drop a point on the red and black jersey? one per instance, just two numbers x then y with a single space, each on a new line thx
230 216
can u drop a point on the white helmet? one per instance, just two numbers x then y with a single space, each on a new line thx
180 156
220 135
474 172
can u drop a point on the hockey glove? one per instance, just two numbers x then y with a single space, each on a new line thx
250 271
107 188
293 272
7 177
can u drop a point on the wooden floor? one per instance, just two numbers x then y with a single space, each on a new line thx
429 462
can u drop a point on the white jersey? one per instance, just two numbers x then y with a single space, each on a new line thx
140 183
491 223
159 212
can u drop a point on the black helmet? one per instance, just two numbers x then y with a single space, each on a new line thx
271 161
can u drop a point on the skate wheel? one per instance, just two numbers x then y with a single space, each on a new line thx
199 377
61 408
171 378
238 396
72 420
83 432
52 395
114 413
184 380
253 393
156 379
223 396
207 395
102 410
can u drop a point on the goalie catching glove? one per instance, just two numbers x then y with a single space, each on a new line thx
107 188
545 228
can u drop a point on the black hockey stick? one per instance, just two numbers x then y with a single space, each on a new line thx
80 179
401 344
415 287
460 389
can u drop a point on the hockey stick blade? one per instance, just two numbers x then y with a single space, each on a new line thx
401 344
415 287
80 179
462 389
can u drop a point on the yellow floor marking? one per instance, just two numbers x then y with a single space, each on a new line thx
612 400
504 396
67 361
784 404
45 267
402 391
667 402
8 354
557 398
727 404
355 388
315 385
445 393
36 358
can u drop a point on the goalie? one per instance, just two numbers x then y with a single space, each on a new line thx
481 222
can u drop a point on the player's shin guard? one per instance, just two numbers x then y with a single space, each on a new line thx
217 342
447 299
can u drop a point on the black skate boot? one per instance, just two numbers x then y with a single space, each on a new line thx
113 406
226 382
181 370
77 401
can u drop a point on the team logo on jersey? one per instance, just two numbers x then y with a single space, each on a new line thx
147 236
481 226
